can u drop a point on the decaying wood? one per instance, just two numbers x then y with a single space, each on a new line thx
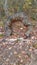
19 16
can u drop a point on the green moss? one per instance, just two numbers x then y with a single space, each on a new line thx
35 45
33 18
1 35
1 24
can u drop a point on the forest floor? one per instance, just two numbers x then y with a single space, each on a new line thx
21 51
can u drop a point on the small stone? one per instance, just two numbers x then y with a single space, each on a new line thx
10 48
14 64
23 52
21 28
33 37
30 50
15 52
7 59
11 53
21 61
19 56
